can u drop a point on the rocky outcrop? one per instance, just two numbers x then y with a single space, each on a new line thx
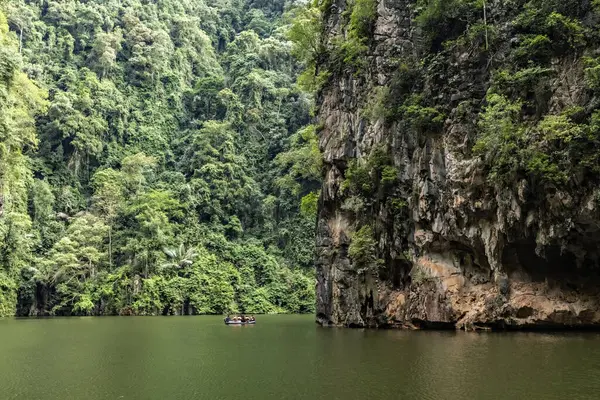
452 247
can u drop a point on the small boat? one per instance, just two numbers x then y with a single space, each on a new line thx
232 322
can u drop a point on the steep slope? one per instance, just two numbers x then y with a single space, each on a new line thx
461 148
151 159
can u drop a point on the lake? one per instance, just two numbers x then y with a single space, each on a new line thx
285 357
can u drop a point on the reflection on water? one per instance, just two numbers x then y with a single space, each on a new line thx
286 357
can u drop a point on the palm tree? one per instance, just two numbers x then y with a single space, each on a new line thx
180 257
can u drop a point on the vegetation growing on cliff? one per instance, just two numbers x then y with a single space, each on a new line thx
362 250
363 14
551 150
306 35
377 173
522 130
154 158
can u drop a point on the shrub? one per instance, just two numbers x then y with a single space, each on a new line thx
501 137
362 249
592 72
308 205
549 151
389 175
477 36
419 275
529 83
8 295
358 179
443 20
398 205
352 49
551 20
324 5
362 18
421 117
378 104
363 179
407 79
354 204
566 30
536 48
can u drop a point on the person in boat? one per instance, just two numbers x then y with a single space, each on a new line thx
244 319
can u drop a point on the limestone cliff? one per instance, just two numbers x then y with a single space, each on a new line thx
426 220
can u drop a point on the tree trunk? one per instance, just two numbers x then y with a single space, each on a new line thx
110 246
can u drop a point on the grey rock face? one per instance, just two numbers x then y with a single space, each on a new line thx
463 251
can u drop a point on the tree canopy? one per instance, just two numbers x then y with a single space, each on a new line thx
155 158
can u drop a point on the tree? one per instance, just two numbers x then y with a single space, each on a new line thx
180 257
20 101
109 199
145 180
105 49
218 174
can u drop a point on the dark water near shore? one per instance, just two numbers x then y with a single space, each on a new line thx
285 357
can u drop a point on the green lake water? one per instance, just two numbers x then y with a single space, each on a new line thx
285 357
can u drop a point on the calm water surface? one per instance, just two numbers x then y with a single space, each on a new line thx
285 357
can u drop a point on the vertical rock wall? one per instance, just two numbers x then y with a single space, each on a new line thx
452 248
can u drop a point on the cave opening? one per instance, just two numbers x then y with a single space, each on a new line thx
558 267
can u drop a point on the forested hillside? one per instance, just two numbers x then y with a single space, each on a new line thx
156 158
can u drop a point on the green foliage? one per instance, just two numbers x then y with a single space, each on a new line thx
552 150
20 102
352 51
169 169
477 36
536 48
501 137
419 275
323 5
358 179
302 163
362 250
563 32
305 33
443 20
399 204
592 72
421 117
529 83
308 205
8 296
363 178
378 106
566 29
552 139
362 18
389 175
352 47
354 204
310 81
